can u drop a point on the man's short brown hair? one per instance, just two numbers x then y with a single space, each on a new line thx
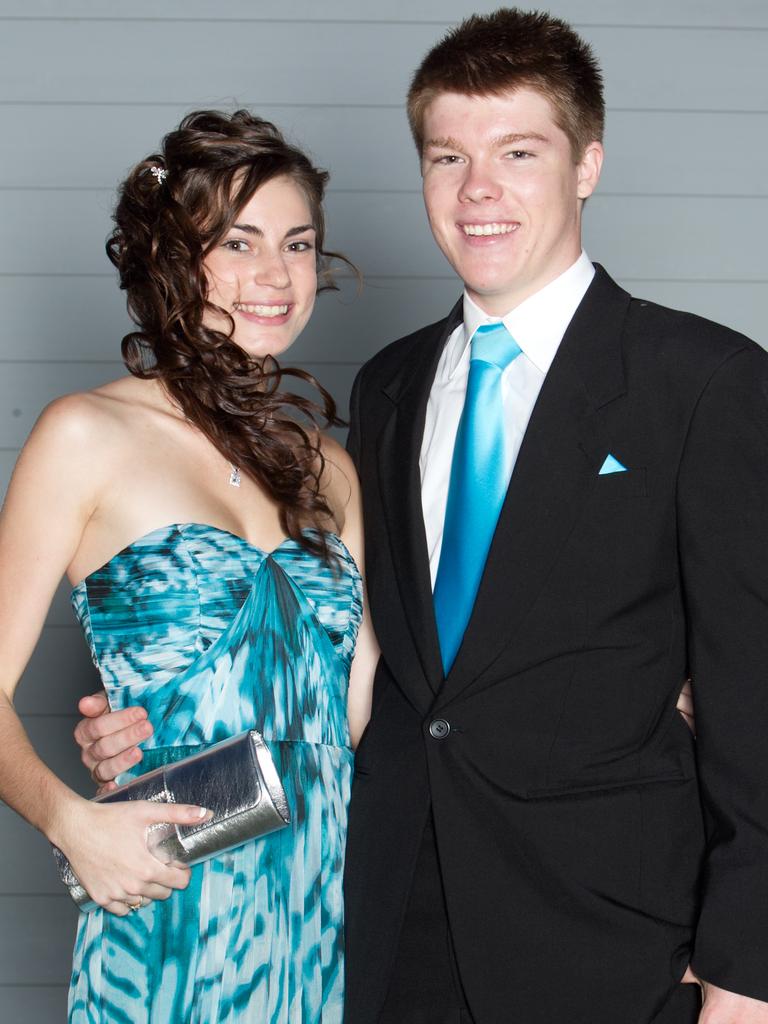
487 55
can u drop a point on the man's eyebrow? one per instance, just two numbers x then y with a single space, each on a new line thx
513 138
251 229
443 143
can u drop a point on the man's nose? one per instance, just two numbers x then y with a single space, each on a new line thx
479 185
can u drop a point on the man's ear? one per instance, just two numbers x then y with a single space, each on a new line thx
588 170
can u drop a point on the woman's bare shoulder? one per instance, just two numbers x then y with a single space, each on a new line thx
93 416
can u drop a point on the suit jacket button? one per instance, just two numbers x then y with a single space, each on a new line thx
439 729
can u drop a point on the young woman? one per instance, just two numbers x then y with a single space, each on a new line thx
213 538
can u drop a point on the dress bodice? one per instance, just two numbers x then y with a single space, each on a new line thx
190 620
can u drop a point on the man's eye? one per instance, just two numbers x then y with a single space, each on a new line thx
519 154
449 158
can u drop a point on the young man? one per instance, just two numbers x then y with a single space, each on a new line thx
566 496
527 842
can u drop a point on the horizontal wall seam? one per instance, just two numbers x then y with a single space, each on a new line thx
230 101
399 22
34 984
31 895
430 277
74 716
62 625
417 192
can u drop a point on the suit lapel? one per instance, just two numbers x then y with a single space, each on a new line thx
552 476
399 448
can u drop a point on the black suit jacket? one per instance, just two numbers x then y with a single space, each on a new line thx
588 846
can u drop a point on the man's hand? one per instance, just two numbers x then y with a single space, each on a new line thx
108 740
723 1007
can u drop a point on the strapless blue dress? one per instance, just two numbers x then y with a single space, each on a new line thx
214 636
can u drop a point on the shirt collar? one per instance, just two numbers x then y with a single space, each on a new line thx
537 324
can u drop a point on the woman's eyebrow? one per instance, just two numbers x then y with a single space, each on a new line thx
252 229
248 229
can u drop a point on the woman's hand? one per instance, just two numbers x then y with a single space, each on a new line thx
108 740
685 706
106 844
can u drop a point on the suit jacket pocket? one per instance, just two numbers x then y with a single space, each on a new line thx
576 787
630 484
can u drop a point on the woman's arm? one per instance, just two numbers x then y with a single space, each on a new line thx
345 492
52 496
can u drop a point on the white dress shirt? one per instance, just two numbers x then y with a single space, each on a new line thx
538 326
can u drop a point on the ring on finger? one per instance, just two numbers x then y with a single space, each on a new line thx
136 906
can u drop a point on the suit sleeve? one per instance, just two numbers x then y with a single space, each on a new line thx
353 437
723 548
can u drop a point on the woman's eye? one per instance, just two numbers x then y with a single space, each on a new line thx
300 246
236 245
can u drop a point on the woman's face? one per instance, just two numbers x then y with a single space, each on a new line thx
264 270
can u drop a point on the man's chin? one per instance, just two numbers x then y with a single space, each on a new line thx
494 298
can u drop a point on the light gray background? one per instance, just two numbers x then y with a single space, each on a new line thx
88 87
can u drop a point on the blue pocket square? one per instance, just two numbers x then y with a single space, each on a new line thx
611 465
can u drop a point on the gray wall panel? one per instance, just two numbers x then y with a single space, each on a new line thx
689 237
51 736
90 318
211 62
58 674
371 147
7 460
60 613
663 153
27 865
37 934
355 63
20 1004
583 12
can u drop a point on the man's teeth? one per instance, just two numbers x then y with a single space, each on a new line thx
246 307
488 229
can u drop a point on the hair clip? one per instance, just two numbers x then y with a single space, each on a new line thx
160 174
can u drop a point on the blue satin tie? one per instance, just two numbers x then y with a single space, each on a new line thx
477 487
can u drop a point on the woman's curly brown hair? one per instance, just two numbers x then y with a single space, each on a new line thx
165 226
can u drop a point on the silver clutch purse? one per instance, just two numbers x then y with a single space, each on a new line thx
236 779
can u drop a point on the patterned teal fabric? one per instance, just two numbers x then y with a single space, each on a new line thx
214 636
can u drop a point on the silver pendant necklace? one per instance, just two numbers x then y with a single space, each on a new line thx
234 476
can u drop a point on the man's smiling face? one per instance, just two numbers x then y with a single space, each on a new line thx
504 192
